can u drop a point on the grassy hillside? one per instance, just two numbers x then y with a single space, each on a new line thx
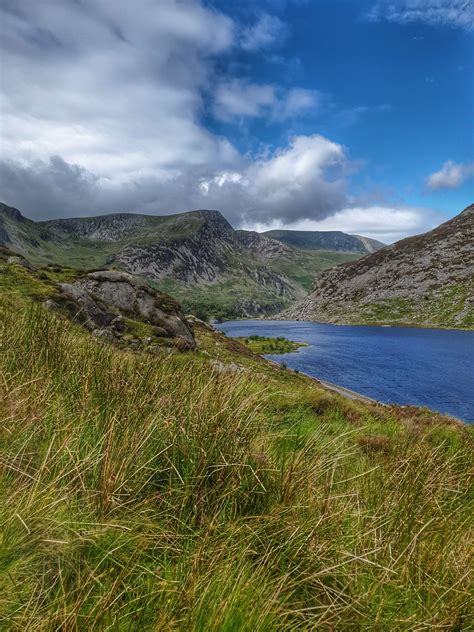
211 491
218 300
197 256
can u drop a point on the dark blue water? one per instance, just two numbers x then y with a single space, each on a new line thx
423 367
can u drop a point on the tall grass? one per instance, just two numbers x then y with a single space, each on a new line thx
151 493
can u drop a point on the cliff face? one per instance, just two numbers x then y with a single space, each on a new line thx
424 280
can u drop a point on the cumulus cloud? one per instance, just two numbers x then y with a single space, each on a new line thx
456 13
450 176
115 90
385 223
307 179
267 30
238 98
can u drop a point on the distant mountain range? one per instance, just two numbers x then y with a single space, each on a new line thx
196 256
423 280
325 240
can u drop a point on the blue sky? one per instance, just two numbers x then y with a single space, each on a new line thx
399 95
318 114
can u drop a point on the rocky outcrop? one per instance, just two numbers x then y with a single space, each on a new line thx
105 297
261 245
423 280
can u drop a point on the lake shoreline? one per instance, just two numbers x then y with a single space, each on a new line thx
400 366
381 325
330 386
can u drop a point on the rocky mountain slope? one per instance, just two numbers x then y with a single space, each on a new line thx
422 280
197 257
325 240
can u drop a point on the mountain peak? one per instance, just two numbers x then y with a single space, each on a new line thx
11 212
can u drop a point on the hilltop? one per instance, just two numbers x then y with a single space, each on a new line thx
196 256
423 280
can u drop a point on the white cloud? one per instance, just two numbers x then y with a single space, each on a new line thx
456 13
297 101
306 179
267 30
238 98
385 223
450 176
115 90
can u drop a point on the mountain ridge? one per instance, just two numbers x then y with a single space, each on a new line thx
325 240
196 256
421 280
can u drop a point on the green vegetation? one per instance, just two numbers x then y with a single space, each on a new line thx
223 300
143 492
266 345
442 309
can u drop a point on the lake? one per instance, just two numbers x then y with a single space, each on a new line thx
423 367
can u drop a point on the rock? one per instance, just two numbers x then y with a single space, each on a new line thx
20 261
226 369
104 334
160 332
118 324
105 296
50 305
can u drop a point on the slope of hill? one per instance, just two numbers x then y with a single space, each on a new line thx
210 490
197 257
423 280
325 240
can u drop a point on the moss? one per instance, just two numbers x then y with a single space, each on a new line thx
139 329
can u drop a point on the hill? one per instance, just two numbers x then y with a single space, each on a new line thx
325 240
197 257
423 280
209 489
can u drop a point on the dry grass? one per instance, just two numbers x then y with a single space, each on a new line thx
144 493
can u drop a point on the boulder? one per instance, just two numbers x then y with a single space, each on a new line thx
106 296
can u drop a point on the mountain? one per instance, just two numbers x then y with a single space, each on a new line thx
325 240
197 257
423 280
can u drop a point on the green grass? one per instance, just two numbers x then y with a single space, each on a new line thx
142 492
265 345
437 309
305 266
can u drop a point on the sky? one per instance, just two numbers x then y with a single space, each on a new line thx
352 115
